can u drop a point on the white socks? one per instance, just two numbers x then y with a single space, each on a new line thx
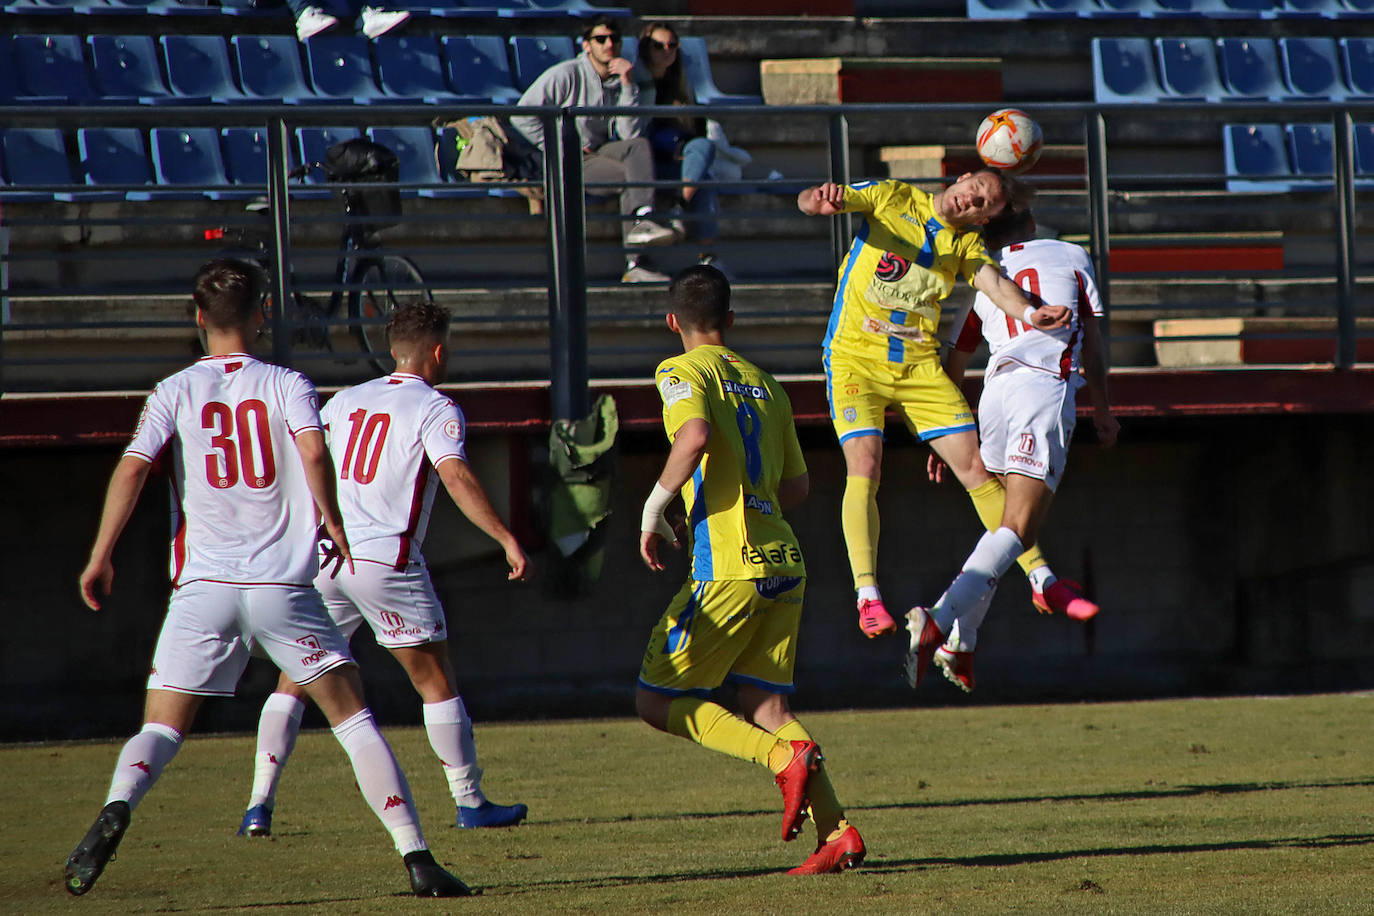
971 591
141 761
869 593
380 778
450 734
1041 578
278 727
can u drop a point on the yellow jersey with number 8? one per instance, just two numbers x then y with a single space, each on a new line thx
902 264
735 525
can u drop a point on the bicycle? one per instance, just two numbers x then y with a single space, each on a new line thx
370 283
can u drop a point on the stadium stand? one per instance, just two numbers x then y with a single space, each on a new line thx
33 156
533 54
192 156
269 68
1250 68
1357 60
478 69
115 156
126 67
1188 68
312 142
1124 70
51 67
409 65
1312 67
340 69
198 65
698 63
1256 158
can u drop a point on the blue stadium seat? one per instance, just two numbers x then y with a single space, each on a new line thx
312 142
340 69
192 156
629 48
1124 70
1065 8
1000 9
245 156
43 7
1310 149
250 9
1215 9
534 54
577 8
1312 67
126 67
444 9
409 65
149 8
269 68
698 64
115 156
32 156
1364 149
477 68
1357 64
1255 152
415 147
1250 68
1307 9
1356 9
51 66
1139 8
198 65
1188 68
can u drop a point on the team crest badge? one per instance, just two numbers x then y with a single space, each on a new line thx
850 414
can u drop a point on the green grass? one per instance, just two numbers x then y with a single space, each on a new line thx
1253 805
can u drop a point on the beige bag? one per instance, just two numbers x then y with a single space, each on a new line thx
482 154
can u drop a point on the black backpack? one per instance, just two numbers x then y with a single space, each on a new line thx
363 161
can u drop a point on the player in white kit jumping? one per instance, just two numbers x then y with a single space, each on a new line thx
249 469
1026 417
394 439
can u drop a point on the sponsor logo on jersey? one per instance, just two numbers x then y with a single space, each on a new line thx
233 367
774 586
317 653
393 801
851 390
770 553
892 267
453 429
674 390
763 505
729 358
1027 462
757 392
1027 444
143 765
392 619
880 326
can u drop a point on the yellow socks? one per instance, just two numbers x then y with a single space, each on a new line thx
825 807
989 500
715 727
859 522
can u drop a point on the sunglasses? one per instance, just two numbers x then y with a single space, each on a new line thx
603 38
670 45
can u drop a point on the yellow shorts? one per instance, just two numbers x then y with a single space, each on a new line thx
738 630
861 390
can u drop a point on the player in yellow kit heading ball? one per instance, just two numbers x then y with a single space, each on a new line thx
737 463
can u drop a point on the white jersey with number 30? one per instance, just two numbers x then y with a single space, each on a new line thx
387 436
242 510
1053 273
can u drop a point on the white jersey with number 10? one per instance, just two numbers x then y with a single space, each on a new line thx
387 436
242 510
1053 273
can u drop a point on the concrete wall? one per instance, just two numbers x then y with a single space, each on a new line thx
1229 554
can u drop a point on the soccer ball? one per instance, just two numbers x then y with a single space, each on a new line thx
1009 139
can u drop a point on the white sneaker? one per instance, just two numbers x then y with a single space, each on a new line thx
647 232
378 21
312 21
710 260
676 223
636 271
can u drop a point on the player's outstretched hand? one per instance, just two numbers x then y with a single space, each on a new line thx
98 573
338 551
518 562
1107 429
823 200
1049 317
648 548
935 468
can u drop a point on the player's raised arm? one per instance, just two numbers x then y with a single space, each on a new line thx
1011 299
1095 373
319 476
121 496
462 484
689 445
822 200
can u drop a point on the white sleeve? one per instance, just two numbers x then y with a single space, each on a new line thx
443 431
300 404
156 425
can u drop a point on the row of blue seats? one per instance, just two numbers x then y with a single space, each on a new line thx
444 9
1164 9
193 162
203 69
1230 69
1283 157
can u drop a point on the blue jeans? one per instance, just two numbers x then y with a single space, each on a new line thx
697 155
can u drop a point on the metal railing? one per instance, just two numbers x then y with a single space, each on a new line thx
50 243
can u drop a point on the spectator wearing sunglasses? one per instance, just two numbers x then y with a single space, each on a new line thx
681 148
614 149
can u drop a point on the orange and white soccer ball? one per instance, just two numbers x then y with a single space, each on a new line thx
1009 139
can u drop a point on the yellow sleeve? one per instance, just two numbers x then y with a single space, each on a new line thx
867 196
684 395
975 255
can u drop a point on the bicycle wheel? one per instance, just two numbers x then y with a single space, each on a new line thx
384 284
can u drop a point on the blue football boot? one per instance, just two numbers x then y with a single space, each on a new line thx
257 821
488 814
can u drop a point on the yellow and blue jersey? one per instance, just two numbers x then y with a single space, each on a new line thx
735 523
902 264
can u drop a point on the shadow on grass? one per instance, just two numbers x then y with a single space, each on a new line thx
1186 791
1028 858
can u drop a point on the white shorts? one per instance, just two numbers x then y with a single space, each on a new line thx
210 627
1025 421
401 607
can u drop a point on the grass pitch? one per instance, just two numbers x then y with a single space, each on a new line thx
1253 805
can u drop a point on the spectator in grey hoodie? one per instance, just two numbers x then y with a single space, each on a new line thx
614 149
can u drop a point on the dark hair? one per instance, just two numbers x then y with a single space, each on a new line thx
227 291
700 298
1018 194
422 323
1007 228
603 19
672 88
